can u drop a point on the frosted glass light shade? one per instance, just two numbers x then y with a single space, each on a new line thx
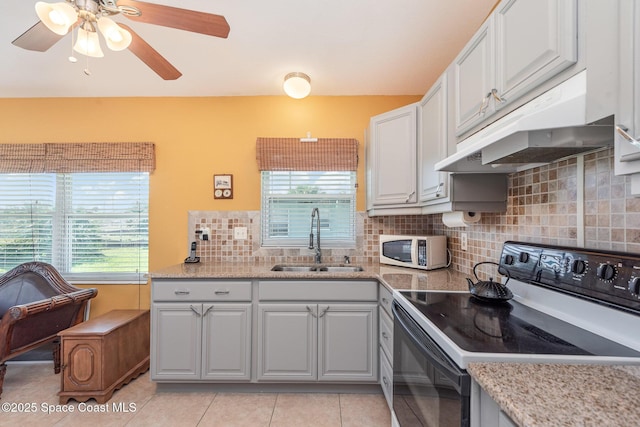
117 38
297 85
88 43
58 17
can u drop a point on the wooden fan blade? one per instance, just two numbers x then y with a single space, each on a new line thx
182 19
151 57
38 38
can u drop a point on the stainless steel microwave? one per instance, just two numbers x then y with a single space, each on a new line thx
423 252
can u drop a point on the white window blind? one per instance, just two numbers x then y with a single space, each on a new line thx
93 227
288 198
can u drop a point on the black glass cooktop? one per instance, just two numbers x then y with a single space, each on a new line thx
508 327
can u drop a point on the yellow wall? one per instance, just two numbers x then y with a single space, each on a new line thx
195 138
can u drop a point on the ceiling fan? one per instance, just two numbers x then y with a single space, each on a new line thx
59 19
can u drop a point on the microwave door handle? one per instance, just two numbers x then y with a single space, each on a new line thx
458 377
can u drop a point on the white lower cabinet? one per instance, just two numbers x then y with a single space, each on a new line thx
485 412
201 330
202 341
324 342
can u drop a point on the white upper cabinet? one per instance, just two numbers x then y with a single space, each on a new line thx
392 158
627 157
535 39
432 143
474 74
521 45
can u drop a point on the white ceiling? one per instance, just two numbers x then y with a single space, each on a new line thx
348 47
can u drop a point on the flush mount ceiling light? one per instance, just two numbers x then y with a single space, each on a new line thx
91 17
297 85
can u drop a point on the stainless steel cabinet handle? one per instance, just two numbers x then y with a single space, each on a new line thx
439 189
385 381
310 310
494 93
622 130
195 310
484 104
409 196
206 310
225 292
181 292
324 311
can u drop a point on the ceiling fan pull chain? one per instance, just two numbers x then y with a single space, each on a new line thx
72 58
86 70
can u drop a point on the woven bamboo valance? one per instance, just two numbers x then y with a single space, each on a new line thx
77 157
290 154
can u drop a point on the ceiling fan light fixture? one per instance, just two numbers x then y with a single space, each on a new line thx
88 43
297 85
58 17
117 38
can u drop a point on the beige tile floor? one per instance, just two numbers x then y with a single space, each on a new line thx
31 390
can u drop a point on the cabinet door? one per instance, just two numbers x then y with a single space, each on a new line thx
81 361
347 342
287 342
392 163
474 75
535 40
627 155
226 336
432 142
176 341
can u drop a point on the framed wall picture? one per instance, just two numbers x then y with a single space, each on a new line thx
223 186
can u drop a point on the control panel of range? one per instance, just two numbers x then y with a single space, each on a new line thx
609 277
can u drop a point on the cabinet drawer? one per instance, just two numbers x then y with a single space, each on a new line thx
386 335
386 380
385 299
317 290
201 290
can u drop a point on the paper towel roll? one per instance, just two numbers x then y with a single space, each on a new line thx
460 219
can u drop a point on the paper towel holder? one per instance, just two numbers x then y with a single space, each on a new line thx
460 218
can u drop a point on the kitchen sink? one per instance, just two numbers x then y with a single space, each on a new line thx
341 268
294 268
317 268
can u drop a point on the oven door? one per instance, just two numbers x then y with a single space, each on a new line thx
428 388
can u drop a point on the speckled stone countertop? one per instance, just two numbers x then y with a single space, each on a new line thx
392 277
551 395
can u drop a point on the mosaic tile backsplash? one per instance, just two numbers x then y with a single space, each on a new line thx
545 205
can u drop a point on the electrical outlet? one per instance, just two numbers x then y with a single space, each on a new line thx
463 241
205 232
240 233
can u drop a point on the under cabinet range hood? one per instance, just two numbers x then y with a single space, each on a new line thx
548 128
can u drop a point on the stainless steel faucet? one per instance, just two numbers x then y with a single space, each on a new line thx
316 214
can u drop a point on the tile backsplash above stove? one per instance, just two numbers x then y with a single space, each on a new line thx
542 208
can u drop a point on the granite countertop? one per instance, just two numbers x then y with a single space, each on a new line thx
550 395
392 277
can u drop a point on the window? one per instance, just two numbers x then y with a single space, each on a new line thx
93 227
288 198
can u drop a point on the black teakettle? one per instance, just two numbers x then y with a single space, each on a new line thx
490 291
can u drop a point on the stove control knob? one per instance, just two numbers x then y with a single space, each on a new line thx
508 259
579 266
634 285
524 257
606 272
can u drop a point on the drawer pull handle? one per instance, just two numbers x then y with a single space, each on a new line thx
181 292
385 381
226 292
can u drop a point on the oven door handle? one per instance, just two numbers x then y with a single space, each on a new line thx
435 356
